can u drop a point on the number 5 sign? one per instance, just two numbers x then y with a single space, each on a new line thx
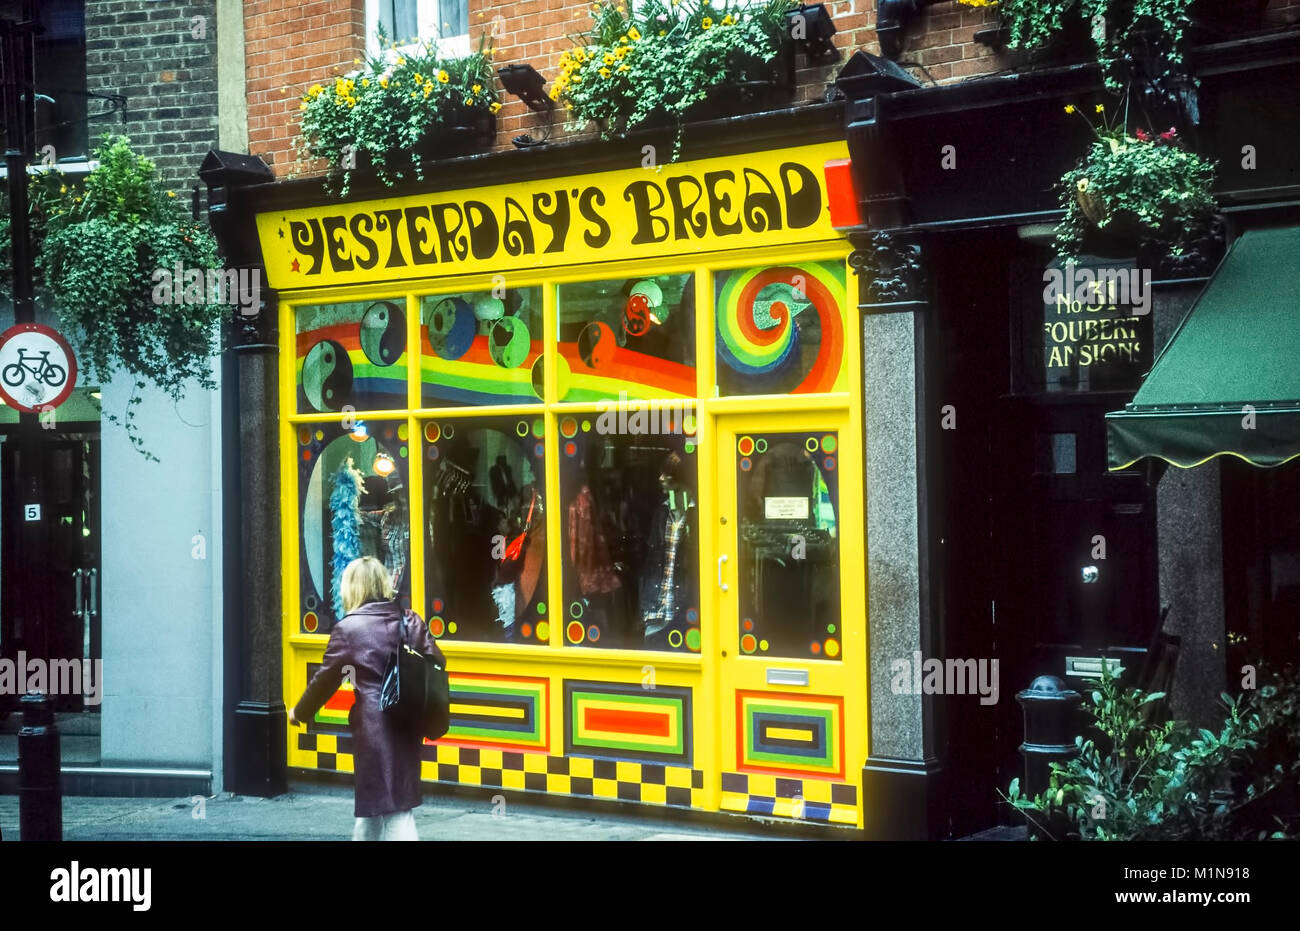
37 368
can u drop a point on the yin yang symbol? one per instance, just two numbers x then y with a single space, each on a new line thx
383 333
327 376
452 327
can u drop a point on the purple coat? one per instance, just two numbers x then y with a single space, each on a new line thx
386 755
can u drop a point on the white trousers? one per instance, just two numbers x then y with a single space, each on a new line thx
400 825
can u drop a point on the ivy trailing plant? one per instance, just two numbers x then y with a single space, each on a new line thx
100 253
663 58
389 110
1146 185
1140 778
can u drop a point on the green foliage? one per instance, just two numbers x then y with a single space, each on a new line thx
386 109
1141 779
662 58
97 250
1147 183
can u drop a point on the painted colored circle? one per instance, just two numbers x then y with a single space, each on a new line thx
689 446
692 615
674 638
449 430
586 426
746 464
306 455
568 428
432 432
311 602
437 604
526 629
829 463
745 445
693 639
593 633
509 342
543 631
815 647
760 446
748 624
570 449
437 626
539 428
575 632
829 443
451 328
304 437
541 607
310 622
320 435
521 428
401 451
811 444
832 648
539 450
388 433
689 424
575 609
383 333
830 628
433 452
451 628
748 643
762 645
403 433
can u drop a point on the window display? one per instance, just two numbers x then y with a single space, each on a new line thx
485 529
353 503
631 541
482 347
635 335
789 563
351 356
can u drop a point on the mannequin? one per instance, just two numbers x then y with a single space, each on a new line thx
668 583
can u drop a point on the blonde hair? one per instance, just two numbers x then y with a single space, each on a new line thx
365 580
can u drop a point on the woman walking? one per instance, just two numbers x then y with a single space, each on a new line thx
386 753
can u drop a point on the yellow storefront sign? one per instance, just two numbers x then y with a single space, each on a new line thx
750 201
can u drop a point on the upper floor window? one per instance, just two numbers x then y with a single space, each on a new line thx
408 21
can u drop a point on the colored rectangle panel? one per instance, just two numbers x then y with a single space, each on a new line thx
626 721
498 711
789 734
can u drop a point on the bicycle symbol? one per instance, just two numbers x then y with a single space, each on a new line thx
38 365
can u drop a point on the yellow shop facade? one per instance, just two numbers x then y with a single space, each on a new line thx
605 431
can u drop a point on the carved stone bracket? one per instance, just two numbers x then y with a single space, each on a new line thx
257 330
891 268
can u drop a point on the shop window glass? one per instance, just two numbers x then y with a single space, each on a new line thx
485 529
789 563
630 533
351 356
353 501
634 335
482 348
780 329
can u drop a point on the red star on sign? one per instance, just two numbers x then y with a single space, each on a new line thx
295 265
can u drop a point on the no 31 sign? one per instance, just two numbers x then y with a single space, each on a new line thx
37 368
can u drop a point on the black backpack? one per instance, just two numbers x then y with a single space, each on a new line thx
416 689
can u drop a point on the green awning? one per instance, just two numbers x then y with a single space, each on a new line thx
1228 382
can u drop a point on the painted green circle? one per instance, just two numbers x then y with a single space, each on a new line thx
760 446
829 443
402 452
689 447
541 607
830 628
539 428
586 426
693 638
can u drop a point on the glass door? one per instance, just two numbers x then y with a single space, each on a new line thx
793 657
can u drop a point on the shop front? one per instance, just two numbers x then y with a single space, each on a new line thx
605 431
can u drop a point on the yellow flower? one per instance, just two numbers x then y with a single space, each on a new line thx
555 94
604 72
634 34
727 20
476 88
1082 185
662 33
428 89
1101 108
621 51
401 61
419 78
623 39
494 106
564 58
365 82
469 101
63 189
171 193
315 90
443 77
1069 108
707 23
609 59
413 94
624 68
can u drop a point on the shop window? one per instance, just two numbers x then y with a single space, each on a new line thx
780 329
351 356
406 21
789 563
633 336
485 529
630 534
481 348
353 502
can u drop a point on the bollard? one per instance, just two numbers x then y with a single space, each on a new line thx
40 796
1050 709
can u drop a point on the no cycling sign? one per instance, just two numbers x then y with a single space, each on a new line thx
37 368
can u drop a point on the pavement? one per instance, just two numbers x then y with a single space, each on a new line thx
313 812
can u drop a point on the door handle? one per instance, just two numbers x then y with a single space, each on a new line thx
721 584
94 594
79 611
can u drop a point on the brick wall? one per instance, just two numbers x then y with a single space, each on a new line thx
292 46
149 53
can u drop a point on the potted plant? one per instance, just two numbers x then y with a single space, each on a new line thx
399 110
674 60
107 256
1143 189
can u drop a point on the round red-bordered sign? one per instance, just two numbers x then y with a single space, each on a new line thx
37 368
